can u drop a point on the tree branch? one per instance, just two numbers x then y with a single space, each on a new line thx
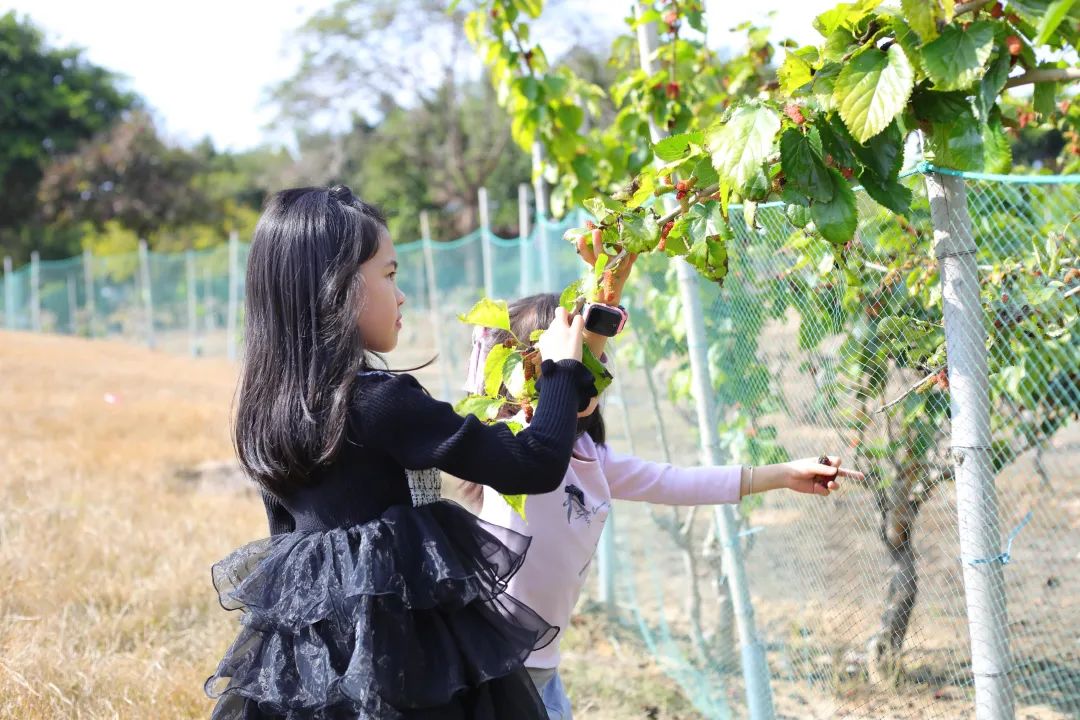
912 388
1044 75
970 6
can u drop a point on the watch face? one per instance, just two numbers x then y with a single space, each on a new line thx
602 321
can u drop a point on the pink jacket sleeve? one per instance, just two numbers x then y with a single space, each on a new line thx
632 478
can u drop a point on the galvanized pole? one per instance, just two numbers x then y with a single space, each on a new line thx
234 296
523 239
192 292
547 277
485 242
754 665
9 294
35 291
88 282
976 496
433 302
147 291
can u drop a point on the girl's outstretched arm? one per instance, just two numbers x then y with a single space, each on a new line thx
632 478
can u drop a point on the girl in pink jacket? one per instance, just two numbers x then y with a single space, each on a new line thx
565 525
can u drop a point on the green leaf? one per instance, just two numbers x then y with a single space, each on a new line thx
705 221
1051 19
920 15
941 107
569 296
488 313
710 258
843 15
1043 99
798 215
803 165
837 219
873 89
997 150
794 73
884 154
890 194
957 145
676 238
955 60
741 145
483 407
991 85
602 208
493 369
639 232
601 376
836 142
674 147
516 502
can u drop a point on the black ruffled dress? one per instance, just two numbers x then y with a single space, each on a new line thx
377 599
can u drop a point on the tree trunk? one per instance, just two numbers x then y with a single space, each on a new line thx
899 511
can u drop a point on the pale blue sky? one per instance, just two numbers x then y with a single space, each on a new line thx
204 69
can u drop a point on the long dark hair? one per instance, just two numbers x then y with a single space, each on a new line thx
536 312
303 347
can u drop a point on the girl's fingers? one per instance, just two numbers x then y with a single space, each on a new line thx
597 244
584 248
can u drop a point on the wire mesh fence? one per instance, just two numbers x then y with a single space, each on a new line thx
860 599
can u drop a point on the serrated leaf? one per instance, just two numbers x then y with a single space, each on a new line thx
798 215
710 259
957 145
837 219
485 408
804 166
602 208
676 238
991 85
674 147
921 17
890 194
955 60
883 154
1043 99
794 73
836 142
843 15
568 299
997 150
740 147
488 313
940 107
639 232
601 376
493 369
1052 17
873 89
706 220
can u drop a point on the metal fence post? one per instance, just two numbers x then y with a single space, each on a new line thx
523 239
547 278
234 295
976 495
433 301
35 291
147 291
88 282
485 242
9 294
754 665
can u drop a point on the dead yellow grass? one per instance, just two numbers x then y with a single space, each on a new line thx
106 606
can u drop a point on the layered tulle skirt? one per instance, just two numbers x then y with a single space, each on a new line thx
405 616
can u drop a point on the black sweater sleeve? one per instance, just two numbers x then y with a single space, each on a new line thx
277 516
394 414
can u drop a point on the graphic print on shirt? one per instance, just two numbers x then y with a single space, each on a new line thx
576 508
